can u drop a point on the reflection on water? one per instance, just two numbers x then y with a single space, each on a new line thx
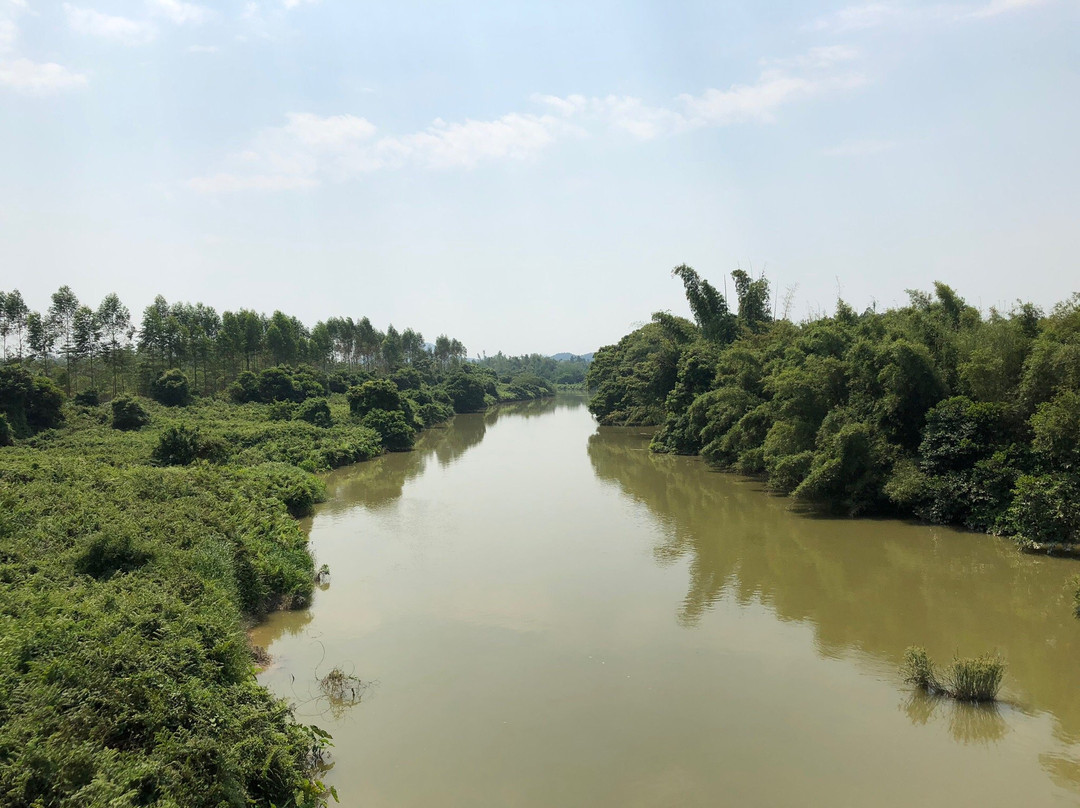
871 586
555 616
968 722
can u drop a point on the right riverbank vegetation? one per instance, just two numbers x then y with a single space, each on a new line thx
931 410
150 474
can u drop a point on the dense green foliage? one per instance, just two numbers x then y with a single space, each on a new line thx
172 389
569 371
137 536
125 677
932 409
128 413
29 402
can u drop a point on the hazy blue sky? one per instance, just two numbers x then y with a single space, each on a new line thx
524 175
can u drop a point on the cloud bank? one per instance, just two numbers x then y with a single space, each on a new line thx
309 149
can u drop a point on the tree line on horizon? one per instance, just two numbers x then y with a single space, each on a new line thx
83 347
931 410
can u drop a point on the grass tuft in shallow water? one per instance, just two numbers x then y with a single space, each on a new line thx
977 679
918 669
972 679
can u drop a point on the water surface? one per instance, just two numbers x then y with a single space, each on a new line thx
549 615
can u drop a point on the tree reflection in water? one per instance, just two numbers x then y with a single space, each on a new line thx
866 587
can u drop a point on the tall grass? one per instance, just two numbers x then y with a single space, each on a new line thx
977 679
973 679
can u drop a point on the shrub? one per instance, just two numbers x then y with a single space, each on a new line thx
918 669
977 679
172 389
31 403
378 394
395 434
128 414
177 446
973 679
6 437
106 555
276 384
1046 509
297 489
245 389
88 398
467 391
281 410
316 411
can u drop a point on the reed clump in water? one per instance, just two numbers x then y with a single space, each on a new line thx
973 679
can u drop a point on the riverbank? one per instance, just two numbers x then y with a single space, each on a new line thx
132 561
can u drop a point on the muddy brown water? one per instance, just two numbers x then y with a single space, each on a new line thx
545 614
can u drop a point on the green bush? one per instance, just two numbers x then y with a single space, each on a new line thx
128 414
977 679
125 677
107 554
177 446
394 432
316 411
245 389
88 398
31 403
281 410
467 391
918 669
7 438
974 679
1046 508
172 389
377 394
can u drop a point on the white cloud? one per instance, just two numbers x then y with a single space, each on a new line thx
25 75
996 7
854 18
310 149
37 78
760 101
225 183
8 34
332 131
179 12
203 49
516 136
94 23
878 14
296 3
818 58
861 148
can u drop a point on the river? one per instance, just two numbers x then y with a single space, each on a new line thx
543 613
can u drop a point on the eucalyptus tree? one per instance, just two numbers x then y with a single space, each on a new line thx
86 337
412 346
369 342
62 317
15 313
392 348
114 320
41 337
5 326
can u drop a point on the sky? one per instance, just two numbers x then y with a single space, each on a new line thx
524 175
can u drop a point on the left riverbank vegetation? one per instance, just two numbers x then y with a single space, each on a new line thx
150 473
932 410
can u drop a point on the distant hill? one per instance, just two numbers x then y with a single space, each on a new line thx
566 357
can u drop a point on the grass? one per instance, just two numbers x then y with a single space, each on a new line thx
976 679
126 677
